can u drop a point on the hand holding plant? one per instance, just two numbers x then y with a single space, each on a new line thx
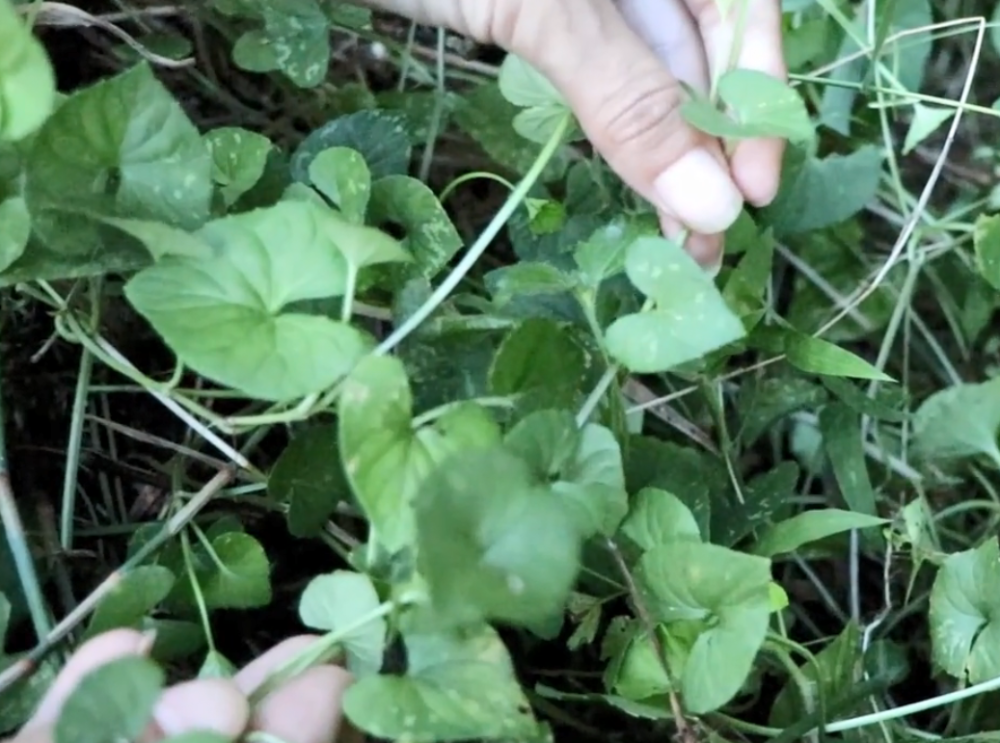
622 66
305 709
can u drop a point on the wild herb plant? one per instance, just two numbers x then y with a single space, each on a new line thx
722 504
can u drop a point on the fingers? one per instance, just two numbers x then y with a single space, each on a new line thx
670 32
306 709
93 654
628 103
756 164
668 28
210 705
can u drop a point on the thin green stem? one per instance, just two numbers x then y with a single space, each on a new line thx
482 243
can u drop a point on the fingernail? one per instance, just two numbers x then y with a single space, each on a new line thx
699 192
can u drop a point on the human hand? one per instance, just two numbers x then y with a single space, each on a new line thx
618 62
306 709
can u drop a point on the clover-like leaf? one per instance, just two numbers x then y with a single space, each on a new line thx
27 78
339 601
121 148
129 602
729 594
759 105
341 174
455 689
657 517
819 192
222 314
964 605
582 466
431 238
385 458
960 421
239 157
690 318
379 136
494 543
525 87
295 39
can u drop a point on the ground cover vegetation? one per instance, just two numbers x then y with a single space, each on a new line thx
312 319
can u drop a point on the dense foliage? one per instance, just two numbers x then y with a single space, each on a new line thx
538 474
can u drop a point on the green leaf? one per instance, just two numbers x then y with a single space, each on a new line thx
294 39
339 602
341 174
759 105
162 240
385 458
987 246
963 610
746 289
602 255
817 356
540 362
379 136
957 422
763 497
692 477
112 702
15 229
27 78
547 215
765 402
129 602
486 117
525 87
841 429
657 517
729 593
455 689
926 120
493 543
817 193
121 148
691 318
582 466
636 670
222 314
239 157
308 476
431 238
529 278
241 574
216 666
811 526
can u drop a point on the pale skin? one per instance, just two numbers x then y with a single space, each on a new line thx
618 63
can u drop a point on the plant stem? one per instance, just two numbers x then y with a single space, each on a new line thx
482 243
17 541
684 732
26 665
317 652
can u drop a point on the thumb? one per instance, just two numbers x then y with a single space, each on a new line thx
628 104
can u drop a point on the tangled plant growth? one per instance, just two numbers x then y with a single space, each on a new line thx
761 505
